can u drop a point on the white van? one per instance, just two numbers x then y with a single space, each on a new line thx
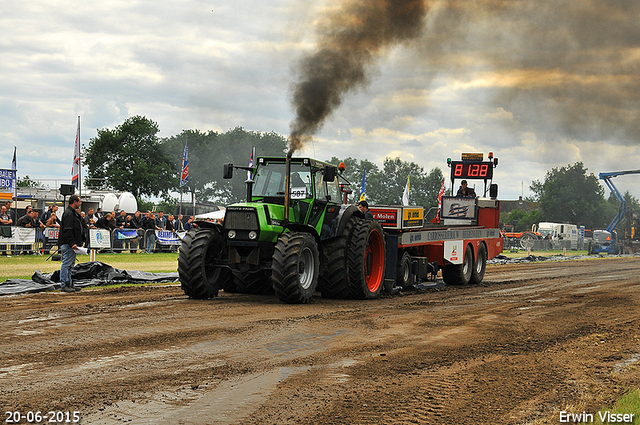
557 232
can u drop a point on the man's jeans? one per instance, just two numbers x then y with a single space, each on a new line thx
68 261
151 240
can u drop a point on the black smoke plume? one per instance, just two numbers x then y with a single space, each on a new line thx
353 39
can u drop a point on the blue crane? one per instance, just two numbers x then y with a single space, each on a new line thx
606 240
623 204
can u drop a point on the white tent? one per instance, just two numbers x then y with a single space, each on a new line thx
216 215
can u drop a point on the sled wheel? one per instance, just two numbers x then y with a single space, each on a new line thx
480 265
404 273
459 274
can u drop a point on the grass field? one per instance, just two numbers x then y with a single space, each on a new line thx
23 266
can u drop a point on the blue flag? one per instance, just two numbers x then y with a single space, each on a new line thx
184 177
362 191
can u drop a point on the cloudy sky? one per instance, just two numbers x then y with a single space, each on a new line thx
541 83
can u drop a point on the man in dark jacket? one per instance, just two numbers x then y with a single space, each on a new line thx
104 222
363 206
150 233
465 191
69 240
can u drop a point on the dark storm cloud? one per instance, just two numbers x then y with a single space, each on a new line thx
578 62
353 38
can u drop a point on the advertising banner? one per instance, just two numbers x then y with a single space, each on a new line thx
461 208
7 181
99 238
126 234
396 217
453 251
387 217
51 233
412 217
167 237
20 236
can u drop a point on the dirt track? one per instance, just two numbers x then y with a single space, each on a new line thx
532 339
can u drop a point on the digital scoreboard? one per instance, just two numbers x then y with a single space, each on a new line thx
471 170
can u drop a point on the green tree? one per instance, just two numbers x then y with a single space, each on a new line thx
424 187
210 150
354 169
386 186
521 219
129 158
571 195
27 182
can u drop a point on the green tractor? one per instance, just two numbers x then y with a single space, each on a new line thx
317 243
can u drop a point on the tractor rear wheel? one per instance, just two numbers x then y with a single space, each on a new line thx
334 280
459 274
365 260
199 276
295 267
480 265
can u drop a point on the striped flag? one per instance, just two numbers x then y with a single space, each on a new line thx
75 169
13 163
363 195
440 199
184 176
253 154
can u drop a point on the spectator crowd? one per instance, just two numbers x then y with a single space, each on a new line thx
144 225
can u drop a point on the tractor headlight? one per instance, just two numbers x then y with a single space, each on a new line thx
252 235
231 234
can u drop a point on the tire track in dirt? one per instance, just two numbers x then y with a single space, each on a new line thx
529 340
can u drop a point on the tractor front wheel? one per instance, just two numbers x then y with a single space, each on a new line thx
295 267
200 275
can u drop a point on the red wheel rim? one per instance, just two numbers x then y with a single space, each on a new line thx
374 261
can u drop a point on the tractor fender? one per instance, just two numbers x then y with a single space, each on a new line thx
209 225
299 227
345 214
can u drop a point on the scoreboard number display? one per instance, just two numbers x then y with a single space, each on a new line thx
471 170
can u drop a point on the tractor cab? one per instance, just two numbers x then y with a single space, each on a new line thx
310 179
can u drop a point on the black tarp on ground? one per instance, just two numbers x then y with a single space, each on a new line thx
94 273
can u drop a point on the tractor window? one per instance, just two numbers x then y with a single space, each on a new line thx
321 187
333 189
327 190
270 179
